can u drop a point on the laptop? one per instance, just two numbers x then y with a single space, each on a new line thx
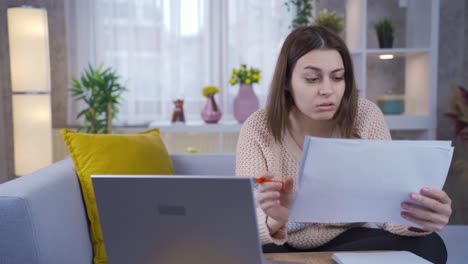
178 219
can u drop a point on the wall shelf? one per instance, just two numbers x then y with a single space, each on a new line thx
397 52
413 69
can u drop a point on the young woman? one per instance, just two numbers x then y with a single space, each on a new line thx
313 92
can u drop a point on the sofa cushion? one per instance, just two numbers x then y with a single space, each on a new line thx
142 153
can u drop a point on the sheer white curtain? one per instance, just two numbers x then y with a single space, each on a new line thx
257 30
170 49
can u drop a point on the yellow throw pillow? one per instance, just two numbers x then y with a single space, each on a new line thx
142 153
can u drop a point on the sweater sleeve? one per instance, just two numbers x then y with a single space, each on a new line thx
251 161
372 122
402 230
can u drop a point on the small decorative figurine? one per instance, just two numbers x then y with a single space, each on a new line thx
178 114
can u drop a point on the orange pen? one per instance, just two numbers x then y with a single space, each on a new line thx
262 180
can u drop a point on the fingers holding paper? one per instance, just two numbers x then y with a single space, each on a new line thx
274 199
433 210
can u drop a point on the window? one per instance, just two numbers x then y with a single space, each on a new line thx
170 49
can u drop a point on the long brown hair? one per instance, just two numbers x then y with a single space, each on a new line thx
299 42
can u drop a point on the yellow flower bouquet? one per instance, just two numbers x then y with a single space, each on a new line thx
244 75
210 90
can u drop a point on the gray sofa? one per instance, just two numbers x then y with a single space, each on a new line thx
43 220
42 215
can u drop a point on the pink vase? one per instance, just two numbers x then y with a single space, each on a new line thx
211 113
245 103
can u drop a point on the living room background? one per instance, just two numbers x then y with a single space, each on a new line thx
453 68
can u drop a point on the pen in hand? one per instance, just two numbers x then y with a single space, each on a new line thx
263 180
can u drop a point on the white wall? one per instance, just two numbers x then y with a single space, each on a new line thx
465 21
452 53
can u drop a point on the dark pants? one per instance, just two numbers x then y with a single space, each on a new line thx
430 247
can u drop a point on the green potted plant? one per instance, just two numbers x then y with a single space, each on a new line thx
303 9
330 20
385 30
101 91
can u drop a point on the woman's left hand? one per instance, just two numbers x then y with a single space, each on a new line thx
434 210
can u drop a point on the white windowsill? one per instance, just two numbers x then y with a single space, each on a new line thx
394 122
199 126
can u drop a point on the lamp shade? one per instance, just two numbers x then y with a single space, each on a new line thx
30 78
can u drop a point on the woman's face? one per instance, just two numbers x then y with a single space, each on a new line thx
318 83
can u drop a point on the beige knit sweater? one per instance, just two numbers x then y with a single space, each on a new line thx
257 152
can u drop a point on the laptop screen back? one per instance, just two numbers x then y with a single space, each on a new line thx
177 219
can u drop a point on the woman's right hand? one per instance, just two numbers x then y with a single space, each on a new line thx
274 198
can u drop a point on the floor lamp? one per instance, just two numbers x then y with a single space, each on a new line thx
30 79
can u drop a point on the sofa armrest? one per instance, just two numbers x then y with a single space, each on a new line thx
42 218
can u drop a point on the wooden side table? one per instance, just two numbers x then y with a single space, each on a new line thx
306 257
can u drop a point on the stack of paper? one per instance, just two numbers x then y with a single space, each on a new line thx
391 257
347 180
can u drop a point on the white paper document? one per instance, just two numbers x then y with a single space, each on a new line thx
391 257
347 180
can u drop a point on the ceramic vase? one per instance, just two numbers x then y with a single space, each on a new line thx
245 103
211 113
